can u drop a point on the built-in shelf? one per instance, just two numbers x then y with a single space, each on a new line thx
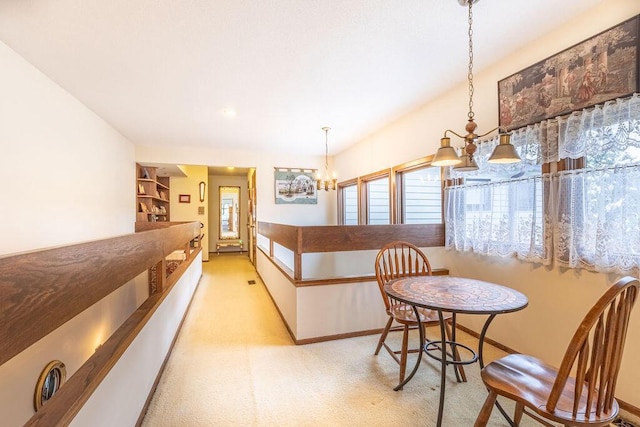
152 201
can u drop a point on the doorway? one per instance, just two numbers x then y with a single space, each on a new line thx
231 216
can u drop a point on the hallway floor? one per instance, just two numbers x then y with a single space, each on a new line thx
234 364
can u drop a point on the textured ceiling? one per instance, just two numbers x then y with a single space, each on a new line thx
163 71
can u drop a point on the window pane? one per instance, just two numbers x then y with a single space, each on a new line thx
422 196
350 205
378 201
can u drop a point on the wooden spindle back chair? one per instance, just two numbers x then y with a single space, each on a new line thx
394 261
581 391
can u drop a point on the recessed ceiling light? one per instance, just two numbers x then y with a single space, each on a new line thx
229 113
230 168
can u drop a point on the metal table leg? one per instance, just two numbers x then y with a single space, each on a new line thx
443 367
481 361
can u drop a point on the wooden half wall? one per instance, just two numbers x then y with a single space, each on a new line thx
333 305
342 238
42 290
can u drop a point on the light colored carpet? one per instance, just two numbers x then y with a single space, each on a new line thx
234 364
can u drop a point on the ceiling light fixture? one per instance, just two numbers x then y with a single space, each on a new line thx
329 180
229 113
446 154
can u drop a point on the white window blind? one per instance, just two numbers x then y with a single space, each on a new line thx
378 201
350 204
421 196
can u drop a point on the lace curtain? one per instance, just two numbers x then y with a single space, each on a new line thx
597 209
587 218
504 218
536 144
502 209
607 136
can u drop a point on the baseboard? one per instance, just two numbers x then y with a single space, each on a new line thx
338 336
486 339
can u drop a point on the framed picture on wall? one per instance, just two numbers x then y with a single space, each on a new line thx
594 71
184 198
295 186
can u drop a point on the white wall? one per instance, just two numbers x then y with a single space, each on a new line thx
558 298
120 397
72 343
66 174
189 211
280 288
322 213
328 310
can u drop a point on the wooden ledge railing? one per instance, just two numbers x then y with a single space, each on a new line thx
330 280
42 290
343 238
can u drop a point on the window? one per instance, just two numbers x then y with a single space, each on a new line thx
598 208
420 196
378 205
499 208
348 203
586 215
417 198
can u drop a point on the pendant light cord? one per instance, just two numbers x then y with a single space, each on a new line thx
470 74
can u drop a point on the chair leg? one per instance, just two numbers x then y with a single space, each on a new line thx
517 415
404 351
485 412
383 336
456 354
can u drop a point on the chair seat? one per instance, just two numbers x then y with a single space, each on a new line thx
404 314
529 380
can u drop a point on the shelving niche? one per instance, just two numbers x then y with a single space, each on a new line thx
152 201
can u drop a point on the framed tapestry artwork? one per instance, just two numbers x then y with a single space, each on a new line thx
599 69
295 186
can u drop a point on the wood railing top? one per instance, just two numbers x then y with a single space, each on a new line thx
42 290
340 238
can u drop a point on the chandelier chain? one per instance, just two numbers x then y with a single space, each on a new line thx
326 150
470 74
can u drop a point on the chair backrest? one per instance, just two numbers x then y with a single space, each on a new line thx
595 351
399 259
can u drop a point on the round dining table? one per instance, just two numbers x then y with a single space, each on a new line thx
448 294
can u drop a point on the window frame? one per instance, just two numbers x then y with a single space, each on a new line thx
341 187
394 175
364 194
398 193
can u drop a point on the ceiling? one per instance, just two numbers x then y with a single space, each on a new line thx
171 170
163 72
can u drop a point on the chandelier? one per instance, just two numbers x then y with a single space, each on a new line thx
329 180
446 155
